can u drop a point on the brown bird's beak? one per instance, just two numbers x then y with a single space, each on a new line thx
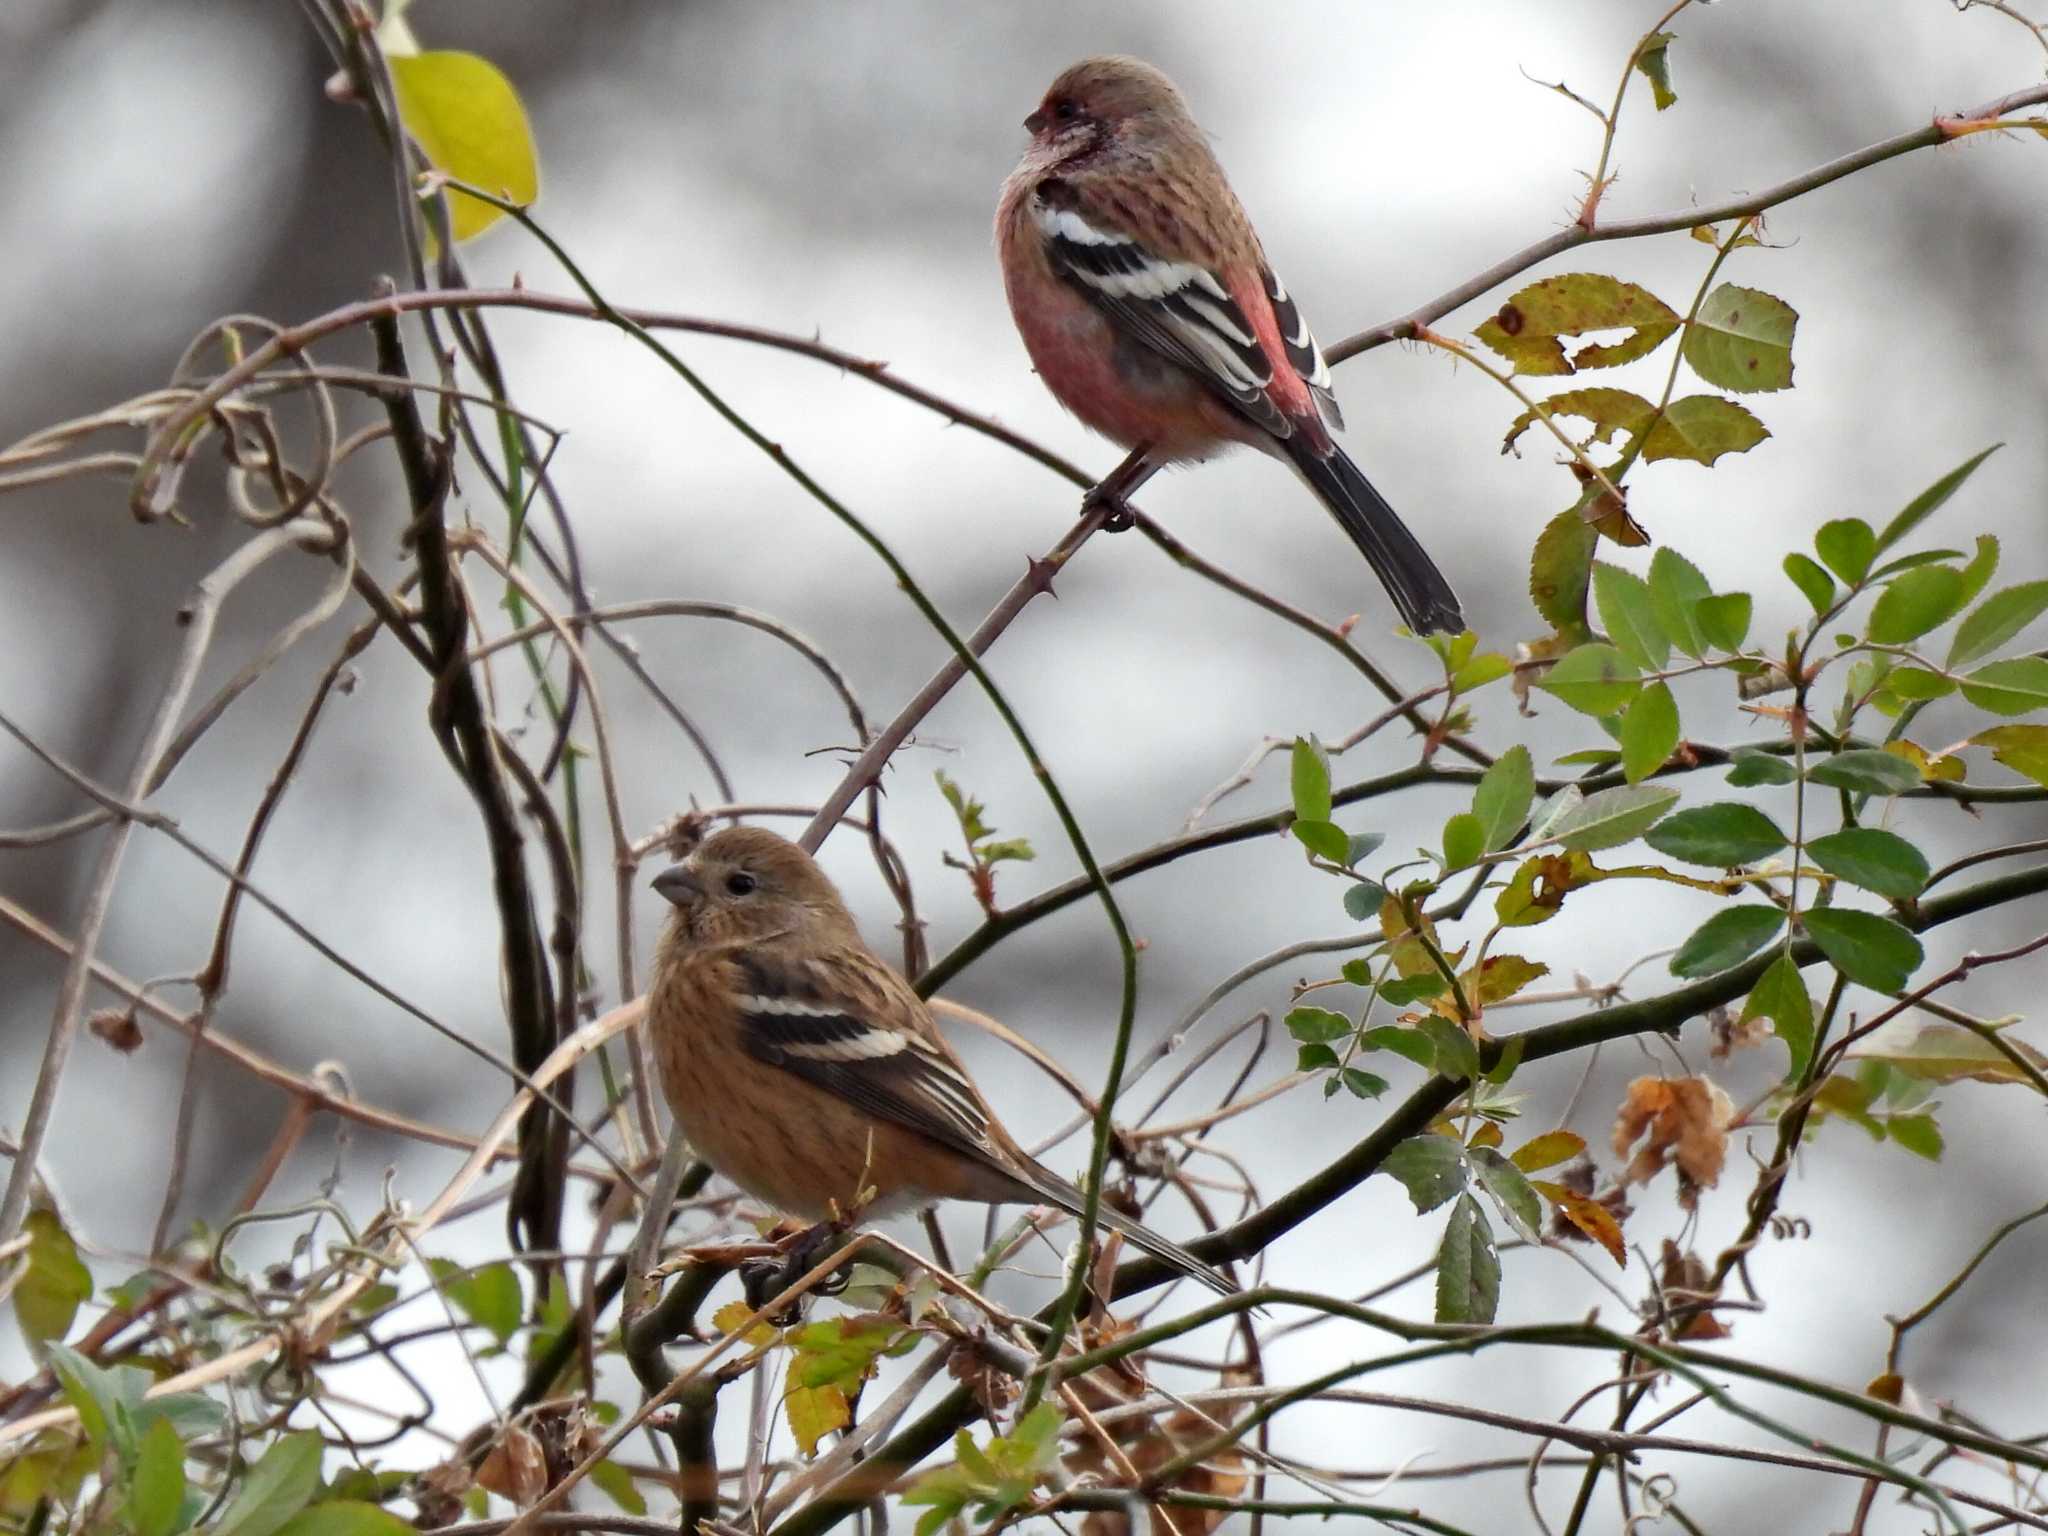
677 885
1036 120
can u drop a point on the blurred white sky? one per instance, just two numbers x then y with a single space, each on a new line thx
833 169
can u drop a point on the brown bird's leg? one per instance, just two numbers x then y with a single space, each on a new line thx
1107 494
764 1279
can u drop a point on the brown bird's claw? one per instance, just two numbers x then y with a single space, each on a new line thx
1117 516
765 1279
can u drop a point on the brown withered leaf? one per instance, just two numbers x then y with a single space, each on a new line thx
1607 510
567 1434
1679 1119
515 1468
1732 1033
117 1027
1148 1443
437 1492
993 1390
1685 1278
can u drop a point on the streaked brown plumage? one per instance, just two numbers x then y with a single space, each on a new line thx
1150 311
804 1068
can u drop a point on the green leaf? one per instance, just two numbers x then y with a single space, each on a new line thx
1722 836
1362 901
55 1281
2022 748
1362 1085
1527 328
488 1297
1593 679
1487 667
1631 622
2014 687
1919 557
1877 860
1978 572
1430 1168
1866 772
1403 1041
1915 603
1701 428
1752 765
1918 1134
1510 1192
1942 1053
1917 683
1559 567
1848 546
1315 1058
1456 1056
1742 340
1814 584
354 1517
1649 733
1502 799
1613 817
1310 779
1467 1267
1317 1026
156 1493
190 1414
1464 841
1652 60
1324 839
617 1484
1675 587
1996 620
1545 818
1928 501
1780 996
1864 947
469 123
1723 619
1727 938
1403 990
277 1487
97 1395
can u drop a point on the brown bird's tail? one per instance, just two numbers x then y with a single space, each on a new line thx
1404 568
1054 1190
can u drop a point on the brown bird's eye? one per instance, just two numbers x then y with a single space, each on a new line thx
739 883
1064 111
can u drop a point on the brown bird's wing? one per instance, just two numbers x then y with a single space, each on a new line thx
825 1030
1183 310
820 1024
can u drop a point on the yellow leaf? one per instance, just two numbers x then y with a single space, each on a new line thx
1942 769
1547 1150
813 1413
470 124
732 1314
1588 1215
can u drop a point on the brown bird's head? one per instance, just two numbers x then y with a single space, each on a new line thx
746 884
1097 100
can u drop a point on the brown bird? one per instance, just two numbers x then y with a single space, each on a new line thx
1149 309
801 1066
